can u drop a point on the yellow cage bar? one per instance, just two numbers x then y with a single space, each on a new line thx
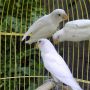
21 67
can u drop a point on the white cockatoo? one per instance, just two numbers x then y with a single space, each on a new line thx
55 64
45 26
77 30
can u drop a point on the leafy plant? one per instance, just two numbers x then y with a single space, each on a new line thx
18 59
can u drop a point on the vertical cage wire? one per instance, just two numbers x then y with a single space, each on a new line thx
22 80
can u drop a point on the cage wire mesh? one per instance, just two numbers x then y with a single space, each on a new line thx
21 67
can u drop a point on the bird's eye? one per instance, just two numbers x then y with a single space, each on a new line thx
39 41
59 14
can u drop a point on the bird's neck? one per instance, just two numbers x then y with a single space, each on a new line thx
54 20
47 50
62 35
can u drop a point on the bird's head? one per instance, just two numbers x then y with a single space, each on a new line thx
58 36
59 14
45 45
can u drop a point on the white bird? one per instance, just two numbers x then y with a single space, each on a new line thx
45 26
55 64
77 30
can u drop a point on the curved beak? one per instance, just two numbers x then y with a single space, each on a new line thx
65 16
55 41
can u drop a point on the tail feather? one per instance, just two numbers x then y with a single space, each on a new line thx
26 34
30 41
73 88
75 85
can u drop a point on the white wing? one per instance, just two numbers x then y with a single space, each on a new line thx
37 25
82 23
57 67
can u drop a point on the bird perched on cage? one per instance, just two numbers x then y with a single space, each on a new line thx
45 26
77 30
55 64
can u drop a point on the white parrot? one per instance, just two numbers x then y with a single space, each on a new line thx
45 26
55 64
77 30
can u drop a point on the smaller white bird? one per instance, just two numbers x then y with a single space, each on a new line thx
45 26
55 64
77 30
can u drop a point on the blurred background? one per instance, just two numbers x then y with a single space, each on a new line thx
21 67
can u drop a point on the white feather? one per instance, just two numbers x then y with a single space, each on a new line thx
77 30
55 64
45 26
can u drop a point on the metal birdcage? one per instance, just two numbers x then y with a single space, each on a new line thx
21 67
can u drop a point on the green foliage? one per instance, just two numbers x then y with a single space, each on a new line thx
18 59
12 24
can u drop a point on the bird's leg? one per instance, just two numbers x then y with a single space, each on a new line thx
58 86
57 82
49 80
